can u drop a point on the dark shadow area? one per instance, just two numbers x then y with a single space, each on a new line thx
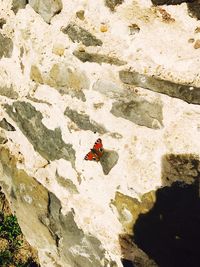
127 263
170 232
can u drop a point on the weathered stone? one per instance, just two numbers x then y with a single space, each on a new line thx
130 208
3 138
132 254
2 22
113 3
80 14
6 46
197 44
179 167
67 183
88 251
194 8
108 160
47 142
140 112
35 74
8 92
98 58
187 93
134 28
6 125
84 122
18 4
46 8
78 34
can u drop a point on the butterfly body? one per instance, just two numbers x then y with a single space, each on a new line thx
96 152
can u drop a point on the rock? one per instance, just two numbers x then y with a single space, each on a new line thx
58 49
35 74
108 160
113 3
46 8
3 138
8 92
6 46
6 125
78 34
84 122
18 4
2 22
134 28
194 9
80 14
67 183
184 92
98 58
48 143
140 112
197 44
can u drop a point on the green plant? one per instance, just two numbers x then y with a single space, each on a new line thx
9 228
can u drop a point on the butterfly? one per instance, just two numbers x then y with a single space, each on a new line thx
96 152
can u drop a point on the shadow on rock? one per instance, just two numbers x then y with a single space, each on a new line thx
109 160
169 233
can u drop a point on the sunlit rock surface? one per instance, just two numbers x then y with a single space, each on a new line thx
75 71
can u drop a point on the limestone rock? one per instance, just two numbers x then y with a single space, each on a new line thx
18 4
6 46
98 58
113 3
2 22
190 94
78 34
84 122
47 142
46 8
6 125
8 92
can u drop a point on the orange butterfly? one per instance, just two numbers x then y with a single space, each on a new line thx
96 152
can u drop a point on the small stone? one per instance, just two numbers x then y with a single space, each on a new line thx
6 46
46 8
35 74
80 14
58 49
134 28
104 28
197 44
2 22
197 30
113 3
6 125
191 40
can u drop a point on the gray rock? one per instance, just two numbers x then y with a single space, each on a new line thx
67 183
98 58
113 3
3 138
18 4
84 122
46 8
69 235
6 125
47 142
108 160
6 46
8 92
140 112
78 34
187 93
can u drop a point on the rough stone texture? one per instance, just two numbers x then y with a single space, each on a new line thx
140 112
6 46
18 4
113 3
61 96
84 122
93 57
46 8
2 22
193 9
47 142
169 2
8 92
6 125
187 93
78 34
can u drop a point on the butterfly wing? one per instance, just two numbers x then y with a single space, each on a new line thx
92 156
98 147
